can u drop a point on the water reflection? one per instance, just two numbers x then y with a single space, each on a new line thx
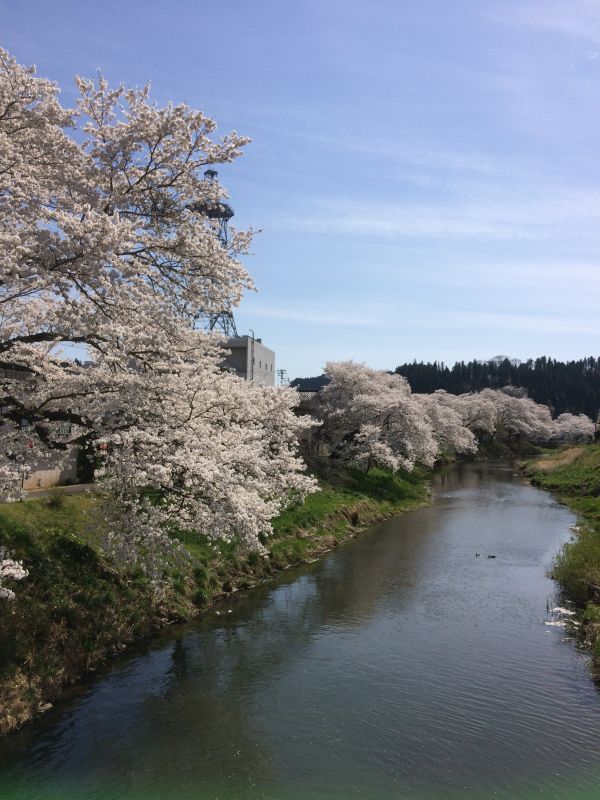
400 662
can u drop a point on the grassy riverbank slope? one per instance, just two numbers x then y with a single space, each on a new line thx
573 473
76 608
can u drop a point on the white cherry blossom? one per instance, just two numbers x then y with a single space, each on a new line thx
371 418
9 570
573 428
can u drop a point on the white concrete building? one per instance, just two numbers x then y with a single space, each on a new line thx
251 360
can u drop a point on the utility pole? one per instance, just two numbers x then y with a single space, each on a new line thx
252 355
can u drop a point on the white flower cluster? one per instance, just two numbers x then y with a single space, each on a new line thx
9 570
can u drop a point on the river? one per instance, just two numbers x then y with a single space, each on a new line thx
398 666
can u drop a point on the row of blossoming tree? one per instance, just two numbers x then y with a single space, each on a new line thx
371 417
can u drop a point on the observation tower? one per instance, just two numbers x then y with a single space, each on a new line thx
222 212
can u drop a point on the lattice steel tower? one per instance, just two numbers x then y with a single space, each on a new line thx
221 212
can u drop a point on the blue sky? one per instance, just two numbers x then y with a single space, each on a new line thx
425 175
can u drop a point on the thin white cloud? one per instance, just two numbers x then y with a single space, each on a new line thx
396 151
412 221
579 19
545 215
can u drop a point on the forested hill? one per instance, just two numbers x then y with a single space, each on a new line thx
564 386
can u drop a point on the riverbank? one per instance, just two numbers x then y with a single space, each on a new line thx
573 473
76 609
505 449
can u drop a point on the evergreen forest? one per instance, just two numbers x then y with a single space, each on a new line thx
565 386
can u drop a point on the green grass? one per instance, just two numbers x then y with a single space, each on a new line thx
581 478
356 499
381 488
75 516
577 566
69 613
75 608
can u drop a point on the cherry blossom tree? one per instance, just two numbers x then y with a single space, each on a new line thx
518 416
106 245
573 428
477 412
371 418
445 416
499 414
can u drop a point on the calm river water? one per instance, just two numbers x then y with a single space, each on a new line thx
399 666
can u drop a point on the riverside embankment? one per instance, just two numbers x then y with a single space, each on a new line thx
573 475
399 665
76 609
